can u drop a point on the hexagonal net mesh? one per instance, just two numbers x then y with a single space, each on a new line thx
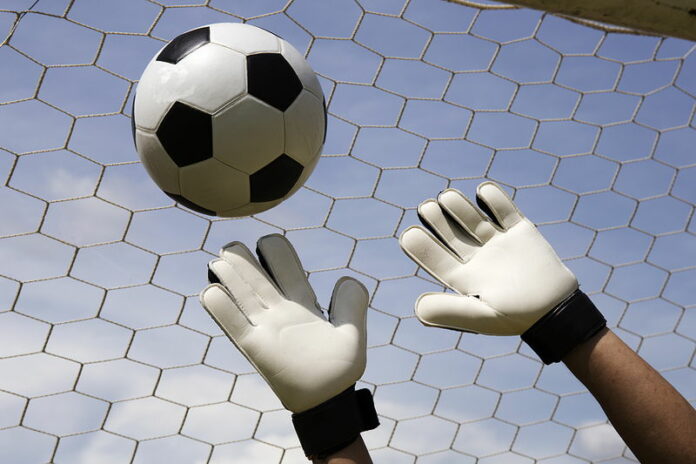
105 353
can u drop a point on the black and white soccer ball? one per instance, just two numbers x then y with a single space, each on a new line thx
229 119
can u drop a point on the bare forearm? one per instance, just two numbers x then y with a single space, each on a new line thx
355 453
654 420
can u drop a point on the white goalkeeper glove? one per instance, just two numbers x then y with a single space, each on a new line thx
270 312
508 279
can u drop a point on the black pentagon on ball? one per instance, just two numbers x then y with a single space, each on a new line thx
272 80
182 45
189 204
275 180
186 134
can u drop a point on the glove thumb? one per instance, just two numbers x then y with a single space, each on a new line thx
466 313
349 304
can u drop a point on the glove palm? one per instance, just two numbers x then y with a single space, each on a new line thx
277 324
505 273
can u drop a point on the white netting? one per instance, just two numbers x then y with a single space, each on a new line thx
105 353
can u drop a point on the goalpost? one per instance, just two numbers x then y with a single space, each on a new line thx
676 18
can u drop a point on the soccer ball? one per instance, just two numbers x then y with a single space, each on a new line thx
229 119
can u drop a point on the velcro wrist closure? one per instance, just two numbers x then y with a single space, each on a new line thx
572 322
336 423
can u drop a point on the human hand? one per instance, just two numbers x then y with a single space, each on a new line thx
506 276
269 311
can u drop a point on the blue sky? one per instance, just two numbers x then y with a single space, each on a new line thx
100 329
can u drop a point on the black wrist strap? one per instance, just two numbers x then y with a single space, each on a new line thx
336 423
572 322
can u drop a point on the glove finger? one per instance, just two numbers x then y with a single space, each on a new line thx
496 203
462 312
348 305
237 286
432 255
451 234
279 258
225 312
466 215
250 272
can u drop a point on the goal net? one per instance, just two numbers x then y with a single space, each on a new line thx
105 353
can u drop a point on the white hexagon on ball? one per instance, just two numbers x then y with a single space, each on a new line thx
229 119
247 134
244 38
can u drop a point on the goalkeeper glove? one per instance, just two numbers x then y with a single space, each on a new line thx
311 362
507 278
